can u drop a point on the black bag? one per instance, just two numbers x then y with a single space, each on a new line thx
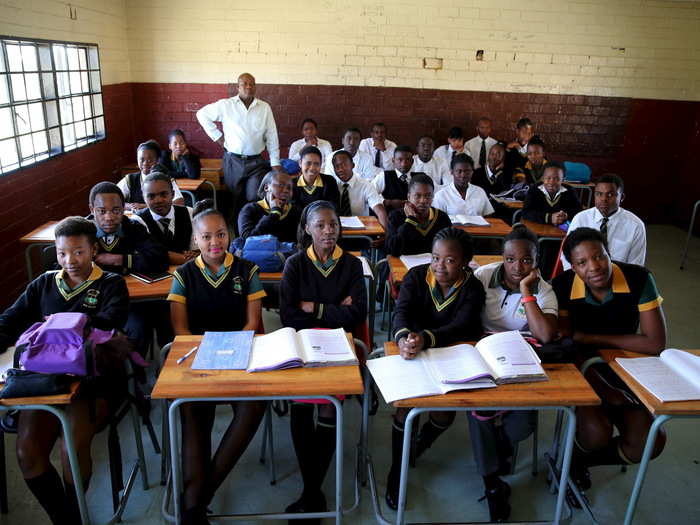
23 383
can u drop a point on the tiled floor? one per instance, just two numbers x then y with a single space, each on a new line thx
444 486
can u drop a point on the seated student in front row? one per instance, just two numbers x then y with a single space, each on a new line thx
608 304
80 286
424 161
531 172
312 185
461 196
393 184
309 130
180 162
439 305
623 231
214 292
412 229
517 298
274 214
551 202
322 287
147 156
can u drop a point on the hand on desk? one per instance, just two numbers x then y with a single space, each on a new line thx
410 345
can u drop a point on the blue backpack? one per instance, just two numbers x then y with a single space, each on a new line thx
264 250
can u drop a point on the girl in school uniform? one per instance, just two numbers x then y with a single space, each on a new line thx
439 304
551 202
608 304
213 292
80 286
322 287
517 298
312 185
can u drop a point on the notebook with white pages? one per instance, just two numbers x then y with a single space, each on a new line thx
352 222
672 376
469 220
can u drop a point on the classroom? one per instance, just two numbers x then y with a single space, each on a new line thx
404 176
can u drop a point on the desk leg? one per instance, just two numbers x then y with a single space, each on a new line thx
641 473
213 192
566 461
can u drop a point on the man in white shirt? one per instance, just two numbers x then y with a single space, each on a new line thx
357 195
309 130
624 231
429 164
461 197
479 146
363 162
378 147
249 128
454 146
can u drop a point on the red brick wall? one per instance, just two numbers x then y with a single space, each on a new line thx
60 186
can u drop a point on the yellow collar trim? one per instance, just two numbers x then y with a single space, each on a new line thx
95 274
619 284
228 261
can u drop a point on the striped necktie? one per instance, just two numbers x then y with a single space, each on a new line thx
345 210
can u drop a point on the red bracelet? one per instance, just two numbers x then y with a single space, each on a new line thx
528 299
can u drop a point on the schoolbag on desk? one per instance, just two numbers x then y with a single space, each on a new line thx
264 250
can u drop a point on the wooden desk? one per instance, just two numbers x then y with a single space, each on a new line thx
140 291
497 229
398 268
662 413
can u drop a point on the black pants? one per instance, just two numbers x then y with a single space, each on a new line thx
242 177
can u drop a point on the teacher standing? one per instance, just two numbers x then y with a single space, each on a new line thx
249 128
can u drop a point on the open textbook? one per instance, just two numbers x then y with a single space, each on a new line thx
287 348
672 376
469 220
497 359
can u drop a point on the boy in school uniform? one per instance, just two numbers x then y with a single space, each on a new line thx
551 202
363 162
426 162
516 152
531 172
309 131
454 146
624 232
378 147
478 147
413 228
461 197
393 184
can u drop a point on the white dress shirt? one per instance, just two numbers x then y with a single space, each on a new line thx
473 147
124 186
323 145
449 200
435 168
627 237
364 165
380 182
445 154
367 145
171 225
363 194
247 130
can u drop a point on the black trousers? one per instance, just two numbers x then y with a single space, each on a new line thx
242 177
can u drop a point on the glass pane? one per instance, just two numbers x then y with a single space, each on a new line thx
8 152
25 146
49 87
78 111
45 57
31 81
88 107
59 56
29 58
73 62
22 119
75 83
82 58
14 57
51 113
95 81
100 127
63 81
36 116
97 104
84 82
90 127
6 127
66 110
94 58
40 143
18 91
80 129
55 140
4 91
68 136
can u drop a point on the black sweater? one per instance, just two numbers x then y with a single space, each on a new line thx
254 219
327 192
539 208
405 237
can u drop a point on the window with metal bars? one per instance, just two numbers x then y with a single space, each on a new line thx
50 100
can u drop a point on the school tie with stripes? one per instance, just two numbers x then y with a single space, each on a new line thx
165 224
345 210
378 159
604 228
482 153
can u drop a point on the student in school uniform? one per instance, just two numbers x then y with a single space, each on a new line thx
322 287
312 185
309 130
461 196
454 146
179 160
274 214
492 176
426 162
393 184
608 304
214 292
623 231
147 156
439 304
478 147
378 147
551 201
357 195
517 298
80 286
516 152
531 173
412 229
364 164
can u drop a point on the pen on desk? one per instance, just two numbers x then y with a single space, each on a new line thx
179 361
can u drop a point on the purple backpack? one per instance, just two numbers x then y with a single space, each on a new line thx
63 344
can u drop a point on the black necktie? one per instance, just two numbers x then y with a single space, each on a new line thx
345 210
165 224
378 159
482 153
604 228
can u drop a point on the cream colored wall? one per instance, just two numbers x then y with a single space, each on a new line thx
98 21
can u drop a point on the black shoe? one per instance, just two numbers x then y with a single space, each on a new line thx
497 499
392 491
8 423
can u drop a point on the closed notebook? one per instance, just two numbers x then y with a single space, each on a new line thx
672 376
287 348
224 351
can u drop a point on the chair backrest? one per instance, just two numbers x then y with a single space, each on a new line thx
577 171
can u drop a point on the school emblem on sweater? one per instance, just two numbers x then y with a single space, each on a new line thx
90 300
237 285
